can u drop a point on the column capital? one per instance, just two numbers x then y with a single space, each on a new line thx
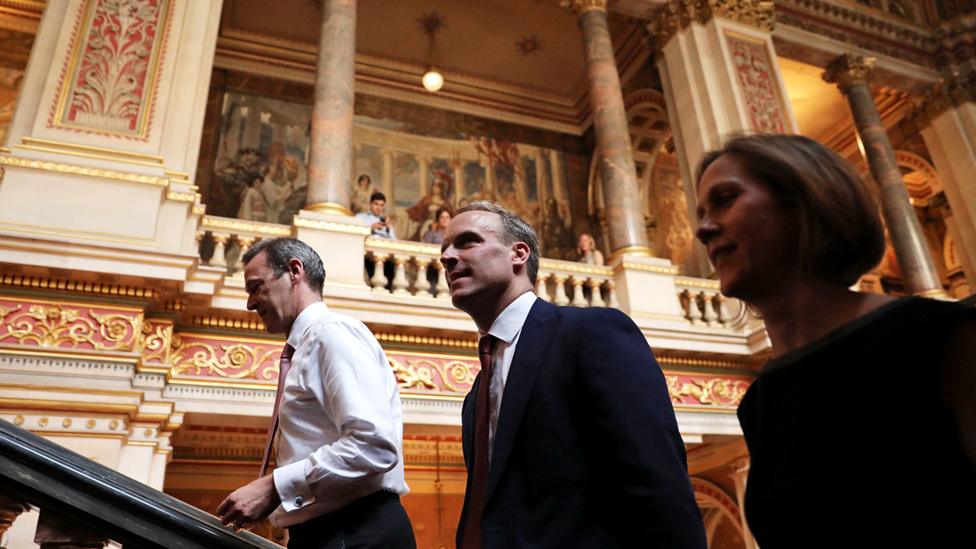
583 6
943 95
848 70
678 15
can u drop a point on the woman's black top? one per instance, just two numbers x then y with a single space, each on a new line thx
851 440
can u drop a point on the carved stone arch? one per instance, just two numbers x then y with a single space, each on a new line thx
716 505
920 178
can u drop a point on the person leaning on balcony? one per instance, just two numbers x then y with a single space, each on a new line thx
569 436
862 426
339 466
379 224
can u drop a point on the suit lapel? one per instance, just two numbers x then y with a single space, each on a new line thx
529 354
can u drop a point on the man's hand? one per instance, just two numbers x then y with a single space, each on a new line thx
249 503
379 225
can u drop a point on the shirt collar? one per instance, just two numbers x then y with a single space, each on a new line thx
303 321
509 322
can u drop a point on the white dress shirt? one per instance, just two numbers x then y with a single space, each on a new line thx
507 327
340 426
382 232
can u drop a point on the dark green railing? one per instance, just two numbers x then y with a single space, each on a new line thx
98 499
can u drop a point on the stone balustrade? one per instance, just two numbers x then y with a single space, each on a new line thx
576 284
404 267
704 305
222 241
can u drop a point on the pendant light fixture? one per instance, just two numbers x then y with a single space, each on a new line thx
430 23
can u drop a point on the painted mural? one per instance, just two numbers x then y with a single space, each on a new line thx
260 171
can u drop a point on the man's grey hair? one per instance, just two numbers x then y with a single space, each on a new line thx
282 250
514 229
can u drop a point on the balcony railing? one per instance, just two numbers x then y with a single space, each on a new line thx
85 504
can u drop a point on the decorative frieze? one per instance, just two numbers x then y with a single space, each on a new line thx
432 373
224 358
111 74
758 83
707 390
583 6
55 324
678 15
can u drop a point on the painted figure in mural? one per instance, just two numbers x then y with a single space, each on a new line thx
789 226
570 410
423 213
586 251
253 205
556 238
359 198
338 473
279 182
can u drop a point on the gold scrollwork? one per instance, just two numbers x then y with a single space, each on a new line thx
707 392
57 326
454 376
233 361
155 341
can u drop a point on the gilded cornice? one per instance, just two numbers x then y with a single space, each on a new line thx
92 288
942 96
849 70
331 226
71 169
678 15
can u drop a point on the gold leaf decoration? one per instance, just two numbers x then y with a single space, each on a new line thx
55 325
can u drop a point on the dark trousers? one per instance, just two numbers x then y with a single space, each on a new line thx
375 521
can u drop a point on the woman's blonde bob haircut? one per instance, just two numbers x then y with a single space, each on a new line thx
840 232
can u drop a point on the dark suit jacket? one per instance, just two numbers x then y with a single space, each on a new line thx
587 451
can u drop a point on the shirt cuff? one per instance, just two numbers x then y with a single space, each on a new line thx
293 489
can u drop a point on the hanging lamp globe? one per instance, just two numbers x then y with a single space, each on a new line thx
433 80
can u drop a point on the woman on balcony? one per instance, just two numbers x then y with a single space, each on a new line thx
862 426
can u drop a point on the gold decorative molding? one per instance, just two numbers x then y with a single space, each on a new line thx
849 70
155 341
706 390
234 323
678 15
657 269
93 288
640 251
328 208
226 358
71 169
190 198
240 225
583 6
331 226
668 361
701 283
426 340
89 151
433 373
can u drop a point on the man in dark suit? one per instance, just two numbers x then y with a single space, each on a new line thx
569 436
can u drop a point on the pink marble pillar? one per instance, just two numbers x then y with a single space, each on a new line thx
330 150
850 73
616 160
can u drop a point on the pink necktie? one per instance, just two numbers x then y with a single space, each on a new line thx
286 355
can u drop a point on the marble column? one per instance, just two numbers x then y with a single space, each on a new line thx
613 147
850 73
330 153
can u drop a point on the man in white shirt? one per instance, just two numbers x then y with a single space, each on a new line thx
379 224
339 466
569 435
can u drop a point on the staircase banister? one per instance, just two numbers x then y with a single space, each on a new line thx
125 510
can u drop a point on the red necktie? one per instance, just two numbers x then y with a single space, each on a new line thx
479 473
286 355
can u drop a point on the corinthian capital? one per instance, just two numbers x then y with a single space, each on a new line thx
583 6
677 15
848 70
